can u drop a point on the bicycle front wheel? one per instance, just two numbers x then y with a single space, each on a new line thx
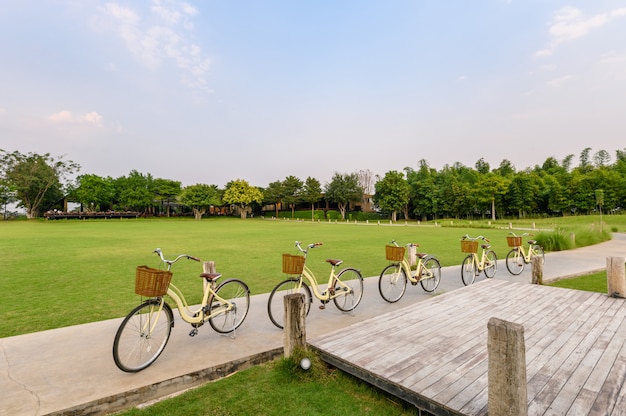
538 251
230 312
392 283
276 304
352 287
430 274
468 270
515 261
491 263
142 336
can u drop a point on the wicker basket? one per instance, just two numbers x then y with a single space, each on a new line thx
514 241
152 282
293 264
394 253
469 246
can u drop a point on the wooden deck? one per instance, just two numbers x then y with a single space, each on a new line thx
433 354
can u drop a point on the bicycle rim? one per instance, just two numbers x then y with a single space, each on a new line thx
236 295
348 289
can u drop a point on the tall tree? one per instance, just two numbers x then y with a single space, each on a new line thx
392 193
94 193
135 191
311 193
292 188
200 197
273 194
166 191
343 189
239 192
32 176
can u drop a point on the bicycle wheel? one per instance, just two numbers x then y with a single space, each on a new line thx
142 336
430 274
276 305
491 263
352 293
237 293
468 270
538 251
392 283
515 261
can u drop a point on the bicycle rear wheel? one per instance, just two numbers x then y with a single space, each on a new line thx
515 261
392 283
276 304
430 274
142 336
237 293
491 263
538 251
468 270
352 287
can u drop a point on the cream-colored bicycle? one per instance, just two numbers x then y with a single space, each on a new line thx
517 258
473 264
143 334
345 288
394 277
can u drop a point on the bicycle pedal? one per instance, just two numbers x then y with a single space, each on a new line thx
193 332
322 306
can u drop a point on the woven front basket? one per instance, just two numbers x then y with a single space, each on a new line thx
469 246
152 282
293 264
514 241
394 253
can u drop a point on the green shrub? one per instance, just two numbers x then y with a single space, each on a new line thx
554 241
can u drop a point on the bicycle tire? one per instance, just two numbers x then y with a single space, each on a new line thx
515 262
430 263
352 297
491 264
392 283
468 270
133 349
276 305
236 292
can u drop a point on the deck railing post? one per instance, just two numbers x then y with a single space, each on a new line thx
208 267
294 330
507 390
616 277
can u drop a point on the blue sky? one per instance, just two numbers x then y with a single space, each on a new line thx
212 91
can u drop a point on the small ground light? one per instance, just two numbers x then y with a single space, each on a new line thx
305 363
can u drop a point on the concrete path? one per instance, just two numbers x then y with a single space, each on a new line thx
71 370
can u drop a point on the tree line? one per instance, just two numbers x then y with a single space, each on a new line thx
38 182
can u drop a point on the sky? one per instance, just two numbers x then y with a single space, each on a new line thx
213 91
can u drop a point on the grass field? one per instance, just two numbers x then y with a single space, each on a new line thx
67 272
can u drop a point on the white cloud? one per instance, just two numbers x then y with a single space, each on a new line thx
570 23
162 36
66 117
558 82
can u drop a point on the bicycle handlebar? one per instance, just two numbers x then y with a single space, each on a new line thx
312 245
515 235
480 237
170 262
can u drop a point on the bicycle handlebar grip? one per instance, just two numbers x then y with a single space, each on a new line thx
318 244
193 258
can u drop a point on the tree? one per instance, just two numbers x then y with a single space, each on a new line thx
344 189
166 190
311 193
491 186
200 198
481 166
94 193
392 193
135 191
274 194
292 187
242 194
7 196
601 158
32 176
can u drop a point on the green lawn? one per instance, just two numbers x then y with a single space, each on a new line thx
67 272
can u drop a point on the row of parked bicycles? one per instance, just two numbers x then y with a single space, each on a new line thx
144 332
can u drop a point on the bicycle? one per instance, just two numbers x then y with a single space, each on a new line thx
143 334
345 288
517 258
394 277
472 265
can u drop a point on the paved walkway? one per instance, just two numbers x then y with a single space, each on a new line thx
71 370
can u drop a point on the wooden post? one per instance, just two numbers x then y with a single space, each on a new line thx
295 330
208 267
507 390
537 270
616 278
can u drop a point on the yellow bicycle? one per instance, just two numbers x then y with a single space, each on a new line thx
473 265
143 334
517 258
394 277
345 288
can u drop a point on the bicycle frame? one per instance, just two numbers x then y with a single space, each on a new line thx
482 263
197 316
328 294
418 271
